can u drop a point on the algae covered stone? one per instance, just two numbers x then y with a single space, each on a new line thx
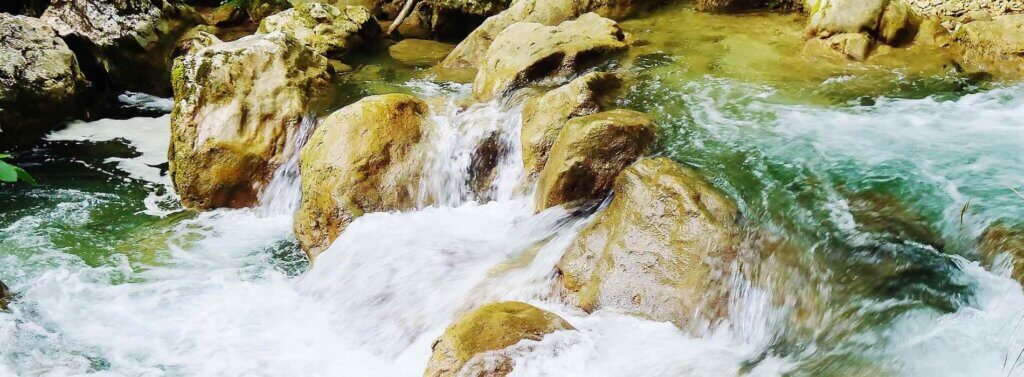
129 42
544 116
652 251
363 158
995 46
40 80
237 108
419 52
326 29
1002 240
589 153
526 52
491 327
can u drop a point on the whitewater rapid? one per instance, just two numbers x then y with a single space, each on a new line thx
216 300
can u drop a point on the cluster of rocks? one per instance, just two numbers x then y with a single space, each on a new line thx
954 13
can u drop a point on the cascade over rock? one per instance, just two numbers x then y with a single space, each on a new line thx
1001 240
237 107
40 81
589 153
545 116
363 158
325 29
652 249
526 52
491 327
127 43
995 46
471 52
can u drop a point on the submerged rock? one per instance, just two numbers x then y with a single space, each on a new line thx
995 46
545 116
237 107
40 81
589 153
363 158
471 52
652 250
419 52
326 29
491 327
5 296
127 43
741 5
527 52
1004 241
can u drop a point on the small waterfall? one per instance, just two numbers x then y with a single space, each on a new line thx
282 195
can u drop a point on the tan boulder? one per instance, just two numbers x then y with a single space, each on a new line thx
995 47
325 29
544 116
363 158
853 46
491 327
471 51
652 251
1004 240
589 153
892 22
526 52
237 107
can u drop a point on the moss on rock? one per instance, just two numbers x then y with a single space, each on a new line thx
326 29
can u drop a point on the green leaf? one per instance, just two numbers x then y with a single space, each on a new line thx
8 173
4 155
25 177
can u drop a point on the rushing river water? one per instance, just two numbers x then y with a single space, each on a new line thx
867 264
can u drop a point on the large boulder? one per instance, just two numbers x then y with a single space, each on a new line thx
126 44
237 108
546 115
995 46
846 23
363 158
470 52
589 153
654 249
526 52
326 29
491 327
40 81
1001 240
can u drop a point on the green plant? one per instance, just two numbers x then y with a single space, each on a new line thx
10 173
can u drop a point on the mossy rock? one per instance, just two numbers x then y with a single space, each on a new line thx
527 52
491 327
363 158
655 249
546 115
237 110
892 22
1002 240
589 154
995 47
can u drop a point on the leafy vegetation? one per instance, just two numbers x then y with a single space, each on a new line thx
10 173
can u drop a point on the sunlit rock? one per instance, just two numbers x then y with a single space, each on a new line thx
462 349
527 52
40 80
544 116
326 29
126 42
853 46
237 106
471 52
995 46
851 26
1004 243
419 52
589 153
196 39
654 249
363 158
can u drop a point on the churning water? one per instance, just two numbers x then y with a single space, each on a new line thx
111 280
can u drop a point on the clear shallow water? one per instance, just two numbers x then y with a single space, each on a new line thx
112 279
